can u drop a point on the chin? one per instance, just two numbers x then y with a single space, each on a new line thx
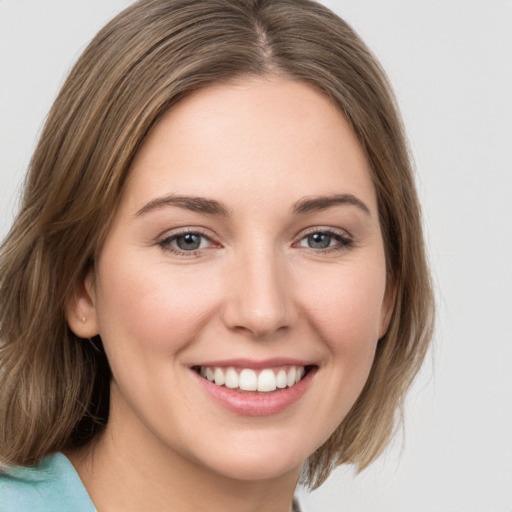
257 456
258 468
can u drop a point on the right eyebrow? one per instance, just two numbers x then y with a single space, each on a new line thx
192 203
316 203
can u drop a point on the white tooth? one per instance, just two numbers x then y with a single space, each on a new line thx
231 380
281 379
209 374
290 380
300 371
219 376
202 371
248 381
266 381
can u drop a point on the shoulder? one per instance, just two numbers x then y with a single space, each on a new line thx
52 486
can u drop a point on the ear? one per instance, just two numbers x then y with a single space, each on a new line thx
81 312
388 304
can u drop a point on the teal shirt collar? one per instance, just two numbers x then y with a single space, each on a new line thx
52 486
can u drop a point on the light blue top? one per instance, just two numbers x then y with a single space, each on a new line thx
52 486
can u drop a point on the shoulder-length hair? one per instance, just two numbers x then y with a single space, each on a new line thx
54 386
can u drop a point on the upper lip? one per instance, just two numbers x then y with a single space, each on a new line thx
256 364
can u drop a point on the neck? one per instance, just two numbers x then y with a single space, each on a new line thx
125 471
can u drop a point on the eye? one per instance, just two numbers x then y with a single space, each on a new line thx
189 242
324 241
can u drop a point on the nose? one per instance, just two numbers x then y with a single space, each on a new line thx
260 294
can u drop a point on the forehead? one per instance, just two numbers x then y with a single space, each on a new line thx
251 138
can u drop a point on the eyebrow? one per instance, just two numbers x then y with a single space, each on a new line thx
309 204
213 207
192 203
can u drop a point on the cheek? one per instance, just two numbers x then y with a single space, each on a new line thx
345 307
347 304
150 309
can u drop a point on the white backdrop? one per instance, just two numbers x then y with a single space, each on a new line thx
451 64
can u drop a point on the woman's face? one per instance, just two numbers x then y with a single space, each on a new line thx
246 250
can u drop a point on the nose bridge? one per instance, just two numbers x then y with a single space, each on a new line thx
260 298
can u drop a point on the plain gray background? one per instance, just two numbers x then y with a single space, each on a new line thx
450 62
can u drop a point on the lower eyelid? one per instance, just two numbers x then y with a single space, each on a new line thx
342 241
166 242
341 238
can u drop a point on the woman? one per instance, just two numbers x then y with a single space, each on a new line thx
216 283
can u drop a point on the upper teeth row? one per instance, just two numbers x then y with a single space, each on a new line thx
248 380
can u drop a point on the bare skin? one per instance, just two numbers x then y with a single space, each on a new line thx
247 237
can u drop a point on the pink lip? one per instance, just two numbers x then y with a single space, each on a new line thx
256 404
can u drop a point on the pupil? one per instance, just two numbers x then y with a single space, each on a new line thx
189 242
319 241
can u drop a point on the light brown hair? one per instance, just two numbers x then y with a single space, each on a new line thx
55 386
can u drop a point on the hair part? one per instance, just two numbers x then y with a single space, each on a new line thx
55 386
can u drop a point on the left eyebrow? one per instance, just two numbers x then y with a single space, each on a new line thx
316 203
192 203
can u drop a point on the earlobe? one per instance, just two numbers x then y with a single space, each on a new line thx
81 309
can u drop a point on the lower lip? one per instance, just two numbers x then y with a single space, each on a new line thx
256 404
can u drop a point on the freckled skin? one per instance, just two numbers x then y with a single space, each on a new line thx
254 289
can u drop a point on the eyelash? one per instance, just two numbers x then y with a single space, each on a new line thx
343 242
166 242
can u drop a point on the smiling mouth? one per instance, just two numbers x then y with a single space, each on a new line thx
265 380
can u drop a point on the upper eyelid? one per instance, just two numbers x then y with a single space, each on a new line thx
344 240
324 229
209 235
176 232
165 242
